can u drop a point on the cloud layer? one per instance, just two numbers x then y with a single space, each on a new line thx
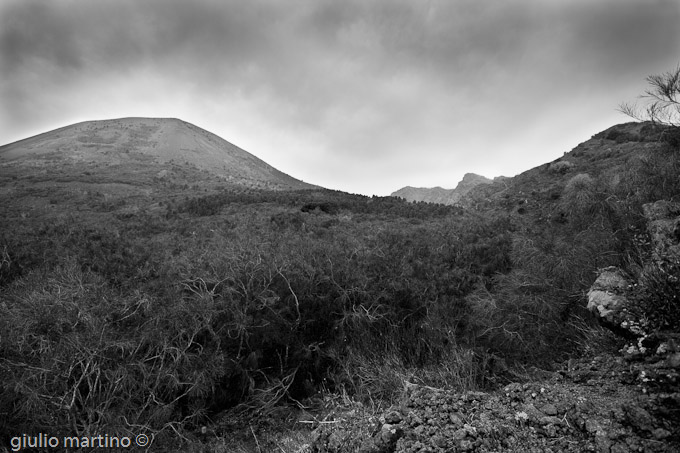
362 96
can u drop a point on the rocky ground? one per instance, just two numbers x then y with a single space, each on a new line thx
604 404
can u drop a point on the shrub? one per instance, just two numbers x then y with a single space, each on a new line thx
653 176
662 105
657 296
578 197
327 207
560 167
620 136
78 357
671 136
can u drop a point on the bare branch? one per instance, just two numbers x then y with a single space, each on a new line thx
663 100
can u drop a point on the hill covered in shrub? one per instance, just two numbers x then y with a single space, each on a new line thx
178 305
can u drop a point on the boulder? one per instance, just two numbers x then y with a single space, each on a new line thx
607 300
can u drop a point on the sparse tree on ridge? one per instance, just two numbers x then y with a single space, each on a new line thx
662 100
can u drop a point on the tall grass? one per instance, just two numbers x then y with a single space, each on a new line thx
78 358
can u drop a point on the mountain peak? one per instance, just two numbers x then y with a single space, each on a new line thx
441 195
471 180
147 142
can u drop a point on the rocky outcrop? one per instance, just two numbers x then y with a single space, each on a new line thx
440 195
607 300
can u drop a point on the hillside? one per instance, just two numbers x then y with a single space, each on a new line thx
614 160
138 150
606 156
226 315
440 195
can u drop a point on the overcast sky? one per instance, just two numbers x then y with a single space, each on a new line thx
362 96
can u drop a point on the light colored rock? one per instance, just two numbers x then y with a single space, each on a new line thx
611 279
593 426
604 304
606 298
456 420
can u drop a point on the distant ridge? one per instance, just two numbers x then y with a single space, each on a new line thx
146 142
440 195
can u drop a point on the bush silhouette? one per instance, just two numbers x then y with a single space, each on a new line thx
662 105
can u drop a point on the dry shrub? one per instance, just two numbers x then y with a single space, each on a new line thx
579 194
521 327
561 167
381 377
657 296
79 358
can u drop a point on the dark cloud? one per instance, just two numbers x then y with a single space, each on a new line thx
34 30
616 37
368 81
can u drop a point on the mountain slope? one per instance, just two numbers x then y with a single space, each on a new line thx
157 144
440 195
614 161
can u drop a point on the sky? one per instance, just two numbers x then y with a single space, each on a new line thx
363 96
